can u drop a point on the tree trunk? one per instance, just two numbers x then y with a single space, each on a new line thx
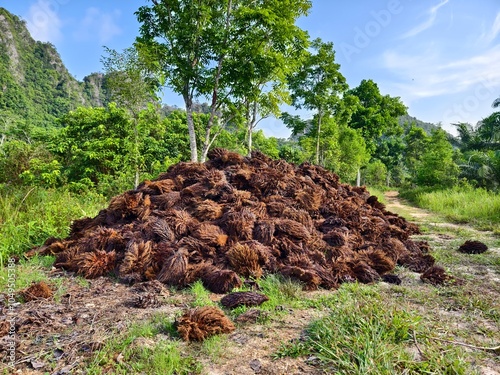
318 136
136 183
136 149
215 100
190 123
251 125
250 144
358 178
208 141
388 178
206 146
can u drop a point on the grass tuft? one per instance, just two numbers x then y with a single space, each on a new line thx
281 292
201 296
128 354
366 334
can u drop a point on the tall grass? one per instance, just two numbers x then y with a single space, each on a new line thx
28 216
478 207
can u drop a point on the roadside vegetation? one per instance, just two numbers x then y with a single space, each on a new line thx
30 215
370 330
475 206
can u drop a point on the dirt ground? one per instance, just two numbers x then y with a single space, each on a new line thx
58 336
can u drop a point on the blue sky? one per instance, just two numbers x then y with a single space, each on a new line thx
442 57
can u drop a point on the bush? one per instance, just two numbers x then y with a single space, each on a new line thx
42 173
18 157
376 174
437 167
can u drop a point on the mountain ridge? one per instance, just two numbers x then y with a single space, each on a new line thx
35 85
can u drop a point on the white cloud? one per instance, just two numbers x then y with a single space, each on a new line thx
96 23
432 76
43 22
490 36
427 24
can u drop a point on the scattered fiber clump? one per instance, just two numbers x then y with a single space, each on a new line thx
473 247
436 275
202 322
233 218
236 299
39 290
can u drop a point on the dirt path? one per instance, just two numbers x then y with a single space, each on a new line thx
481 271
395 204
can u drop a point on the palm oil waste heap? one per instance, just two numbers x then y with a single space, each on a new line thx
235 217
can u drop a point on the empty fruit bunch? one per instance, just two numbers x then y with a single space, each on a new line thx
235 217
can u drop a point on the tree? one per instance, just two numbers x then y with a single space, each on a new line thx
416 141
189 43
175 42
481 168
317 86
28 163
437 167
306 134
132 88
390 151
260 82
376 114
376 173
94 144
489 131
353 153
496 103
290 151
468 138
480 155
266 145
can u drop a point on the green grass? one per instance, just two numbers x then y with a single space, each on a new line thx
32 270
26 272
28 216
478 207
282 292
127 354
213 347
201 296
364 333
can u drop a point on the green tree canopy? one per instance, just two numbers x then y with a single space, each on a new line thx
94 143
318 86
190 43
377 114
132 88
436 166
